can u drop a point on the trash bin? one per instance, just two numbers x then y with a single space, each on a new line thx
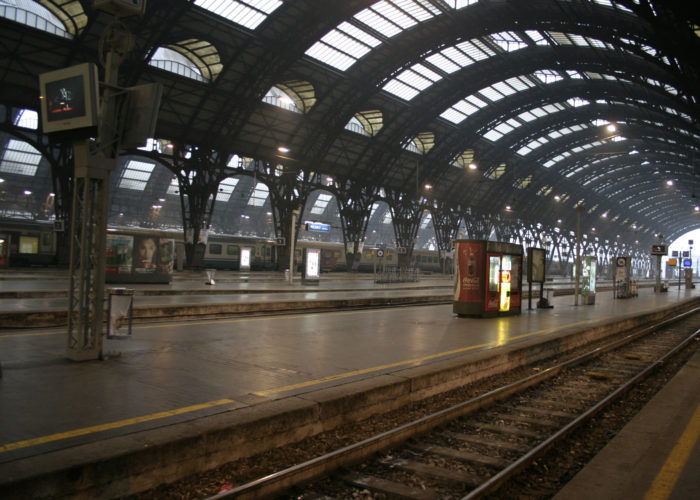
119 312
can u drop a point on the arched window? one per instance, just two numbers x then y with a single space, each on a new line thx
192 58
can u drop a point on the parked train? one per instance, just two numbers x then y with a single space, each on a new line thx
34 243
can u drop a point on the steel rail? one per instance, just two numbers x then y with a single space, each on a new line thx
277 483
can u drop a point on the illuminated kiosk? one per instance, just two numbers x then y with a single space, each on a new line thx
588 272
245 259
312 266
488 278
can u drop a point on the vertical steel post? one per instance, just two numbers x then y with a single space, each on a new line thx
579 211
291 246
89 227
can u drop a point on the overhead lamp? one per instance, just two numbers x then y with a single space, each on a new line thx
2 180
51 195
611 128
283 149
428 186
557 197
473 166
27 192
669 182
697 208
508 208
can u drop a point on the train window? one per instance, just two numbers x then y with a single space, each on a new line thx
215 249
233 250
29 244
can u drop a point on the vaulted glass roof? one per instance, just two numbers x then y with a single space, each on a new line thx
248 13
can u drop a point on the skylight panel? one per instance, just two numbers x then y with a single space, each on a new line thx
493 135
534 145
321 203
136 175
247 13
560 38
414 79
426 220
259 196
427 73
460 54
442 62
387 217
226 188
519 83
27 118
459 4
493 94
578 40
577 102
471 104
174 187
548 76
537 37
394 14
476 49
378 23
401 90
508 41
20 158
338 39
343 46
450 114
527 116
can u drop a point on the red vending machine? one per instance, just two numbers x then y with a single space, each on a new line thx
488 278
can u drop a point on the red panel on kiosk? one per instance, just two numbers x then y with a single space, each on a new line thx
516 279
470 260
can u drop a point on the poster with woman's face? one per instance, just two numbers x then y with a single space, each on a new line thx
145 254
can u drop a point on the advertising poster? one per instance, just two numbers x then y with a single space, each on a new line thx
469 272
166 255
145 254
245 259
313 258
119 254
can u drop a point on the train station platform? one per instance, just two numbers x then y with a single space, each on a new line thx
657 455
185 396
38 299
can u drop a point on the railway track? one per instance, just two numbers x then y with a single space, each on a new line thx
469 450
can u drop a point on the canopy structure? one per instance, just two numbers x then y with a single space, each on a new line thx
515 112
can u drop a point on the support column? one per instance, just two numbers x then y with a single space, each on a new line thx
89 220
355 207
446 224
406 213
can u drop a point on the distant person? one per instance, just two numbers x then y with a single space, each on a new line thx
145 253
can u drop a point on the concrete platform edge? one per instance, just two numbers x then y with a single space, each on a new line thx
125 465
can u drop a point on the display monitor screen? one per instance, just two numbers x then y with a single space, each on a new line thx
69 99
65 98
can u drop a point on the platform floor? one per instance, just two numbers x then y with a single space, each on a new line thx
183 371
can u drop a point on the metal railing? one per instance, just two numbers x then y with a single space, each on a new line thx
394 274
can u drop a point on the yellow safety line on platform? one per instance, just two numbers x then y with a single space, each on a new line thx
666 479
340 376
155 416
112 425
